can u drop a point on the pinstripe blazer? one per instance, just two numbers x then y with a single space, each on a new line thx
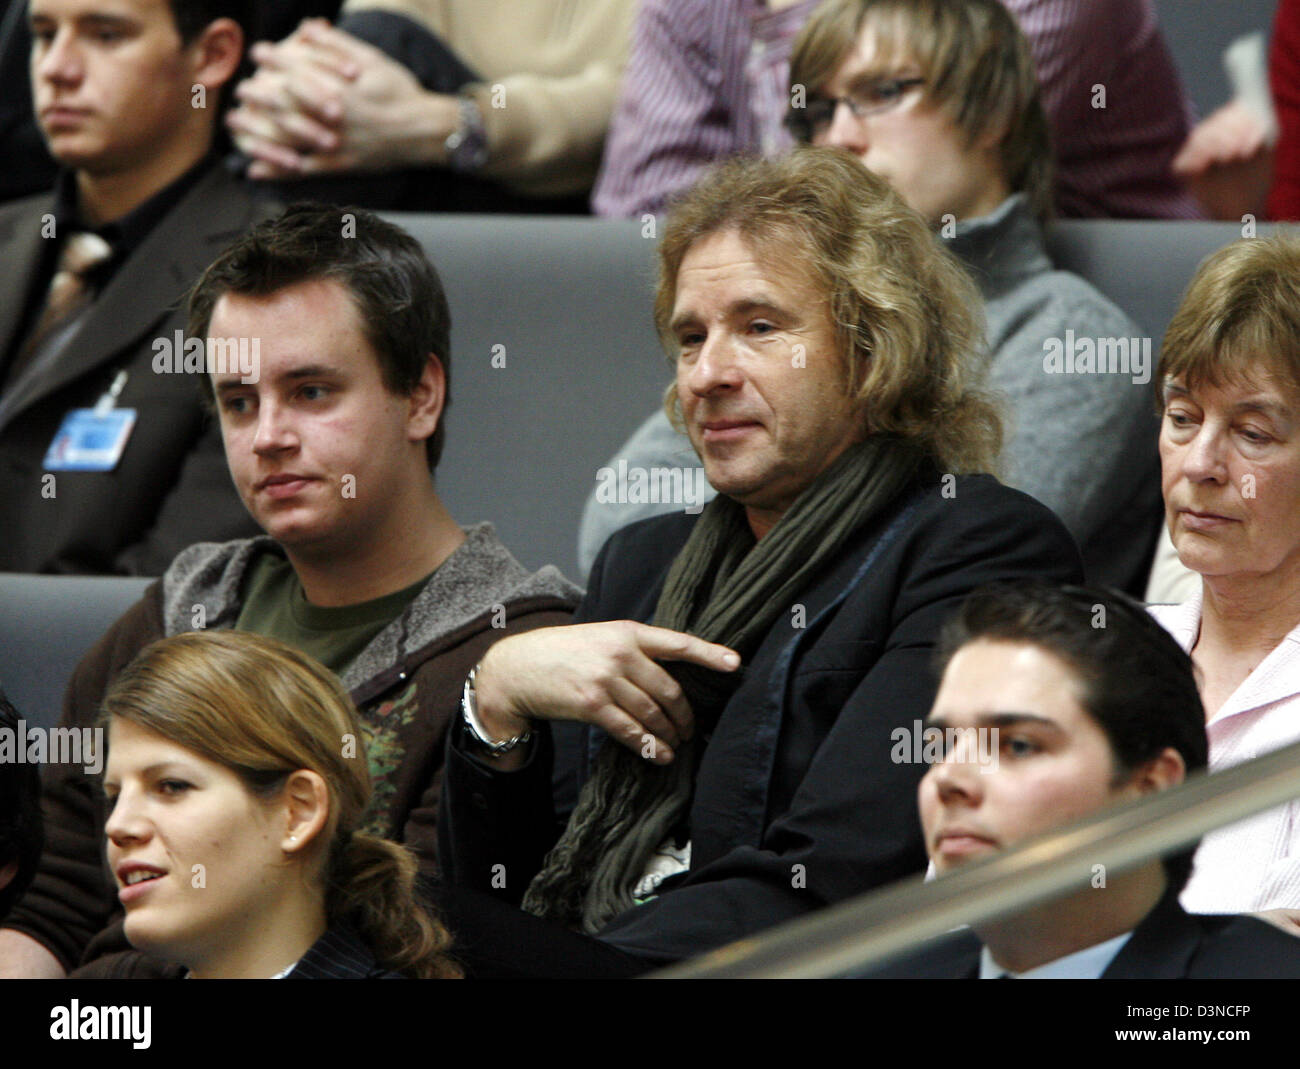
340 954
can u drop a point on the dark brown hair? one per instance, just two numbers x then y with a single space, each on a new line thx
1134 680
398 295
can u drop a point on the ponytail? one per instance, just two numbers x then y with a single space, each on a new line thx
372 889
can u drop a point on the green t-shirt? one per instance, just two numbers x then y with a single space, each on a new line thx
274 604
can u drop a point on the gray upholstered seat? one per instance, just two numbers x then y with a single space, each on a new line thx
554 363
46 623
569 302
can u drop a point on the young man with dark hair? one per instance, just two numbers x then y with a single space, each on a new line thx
396 292
109 465
1092 704
20 818
321 327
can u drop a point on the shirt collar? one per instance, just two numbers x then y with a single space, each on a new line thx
1182 621
1273 679
125 235
1086 964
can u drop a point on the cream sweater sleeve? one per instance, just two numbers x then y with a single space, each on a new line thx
550 73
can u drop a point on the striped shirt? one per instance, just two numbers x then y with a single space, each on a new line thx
706 79
340 954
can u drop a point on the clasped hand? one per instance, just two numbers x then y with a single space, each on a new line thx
322 101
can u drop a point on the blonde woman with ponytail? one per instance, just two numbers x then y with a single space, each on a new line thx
236 780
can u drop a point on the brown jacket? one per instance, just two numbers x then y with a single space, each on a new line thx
406 685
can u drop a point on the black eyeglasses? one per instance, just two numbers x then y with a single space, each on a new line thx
867 98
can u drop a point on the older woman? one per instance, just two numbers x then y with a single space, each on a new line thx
1230 452
236 779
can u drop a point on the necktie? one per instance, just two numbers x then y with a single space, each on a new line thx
68 295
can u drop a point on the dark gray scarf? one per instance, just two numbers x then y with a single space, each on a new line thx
723 587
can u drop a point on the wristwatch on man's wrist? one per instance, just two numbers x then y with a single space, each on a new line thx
474 727
467 148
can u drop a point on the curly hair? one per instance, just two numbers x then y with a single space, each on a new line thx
908 317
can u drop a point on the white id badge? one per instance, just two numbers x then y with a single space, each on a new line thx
90 439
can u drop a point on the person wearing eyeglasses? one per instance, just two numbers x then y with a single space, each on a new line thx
940 98
707 79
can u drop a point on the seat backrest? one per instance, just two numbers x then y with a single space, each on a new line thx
1197 32
1144 267
47 623
554 363
555 359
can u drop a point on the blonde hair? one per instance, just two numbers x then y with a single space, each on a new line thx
265 710
975 61
907 315
1239 319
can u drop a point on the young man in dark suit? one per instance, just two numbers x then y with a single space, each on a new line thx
109 466
1091 704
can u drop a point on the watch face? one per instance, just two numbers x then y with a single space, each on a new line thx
467 145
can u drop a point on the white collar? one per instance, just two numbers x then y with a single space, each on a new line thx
1086 964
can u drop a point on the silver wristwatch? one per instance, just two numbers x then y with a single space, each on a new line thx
469 713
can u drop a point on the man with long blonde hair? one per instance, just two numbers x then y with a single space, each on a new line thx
737 675
940 98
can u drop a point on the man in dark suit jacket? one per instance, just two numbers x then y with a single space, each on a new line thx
128 100
1055 703
720 802
1168 944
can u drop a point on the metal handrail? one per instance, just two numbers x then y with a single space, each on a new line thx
865 931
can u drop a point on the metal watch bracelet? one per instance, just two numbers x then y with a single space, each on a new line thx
469 714
466 146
